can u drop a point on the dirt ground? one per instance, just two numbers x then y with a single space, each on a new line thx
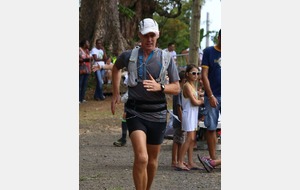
104 166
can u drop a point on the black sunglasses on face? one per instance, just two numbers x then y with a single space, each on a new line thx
194 73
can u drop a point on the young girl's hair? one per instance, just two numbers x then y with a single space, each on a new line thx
190 67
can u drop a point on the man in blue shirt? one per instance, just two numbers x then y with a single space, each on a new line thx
211 76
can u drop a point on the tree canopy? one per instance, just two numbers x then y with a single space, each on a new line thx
115 22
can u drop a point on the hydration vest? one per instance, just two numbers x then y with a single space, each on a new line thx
132 67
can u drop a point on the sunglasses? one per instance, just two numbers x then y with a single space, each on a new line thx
194 73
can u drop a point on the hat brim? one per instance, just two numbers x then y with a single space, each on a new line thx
149 30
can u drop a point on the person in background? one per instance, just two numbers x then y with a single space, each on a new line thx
171 50
202 111
122 141
146 107
200 89
108 66
178 136
190 107
100 58
211 76
84 59
186 53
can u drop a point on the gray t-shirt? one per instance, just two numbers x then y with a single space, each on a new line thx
153 66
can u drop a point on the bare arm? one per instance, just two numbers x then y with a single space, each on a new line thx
95 57
108 67
212 100
179 110
105 67
104 56
188 93
186 53
172 88
116 73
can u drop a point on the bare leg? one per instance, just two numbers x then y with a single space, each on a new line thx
153 152
188 142
175 148
217 162
178 151
211 143
214 163
191 163
138 139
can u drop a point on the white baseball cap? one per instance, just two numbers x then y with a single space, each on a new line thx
148 25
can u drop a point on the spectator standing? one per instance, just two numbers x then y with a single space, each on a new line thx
178 136
122 141
146 108
171 50
84 60
211 76
200 89
202 111
100 57
108 66
190 106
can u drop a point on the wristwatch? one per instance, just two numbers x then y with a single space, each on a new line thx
162 87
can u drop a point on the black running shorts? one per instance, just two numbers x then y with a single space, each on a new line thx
154 131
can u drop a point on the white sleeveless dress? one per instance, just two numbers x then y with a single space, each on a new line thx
189 114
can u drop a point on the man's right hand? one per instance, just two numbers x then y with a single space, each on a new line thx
115 100
213 102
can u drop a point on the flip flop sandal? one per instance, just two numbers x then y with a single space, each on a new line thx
181 169
196 168
204 165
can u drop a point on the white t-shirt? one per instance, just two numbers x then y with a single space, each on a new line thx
99 53
173 53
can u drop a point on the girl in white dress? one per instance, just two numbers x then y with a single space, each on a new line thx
190 106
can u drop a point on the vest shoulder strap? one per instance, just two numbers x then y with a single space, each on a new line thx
132 67
165 64
134 55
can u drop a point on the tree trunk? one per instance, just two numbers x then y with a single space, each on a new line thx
113 38
129 26
87 15
99 19
195 33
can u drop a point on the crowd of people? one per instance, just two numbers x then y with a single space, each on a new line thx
94 61
152 74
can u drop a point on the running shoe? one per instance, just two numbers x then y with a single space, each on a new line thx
120 143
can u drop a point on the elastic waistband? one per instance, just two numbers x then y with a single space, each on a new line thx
139 109
136 105
140 102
